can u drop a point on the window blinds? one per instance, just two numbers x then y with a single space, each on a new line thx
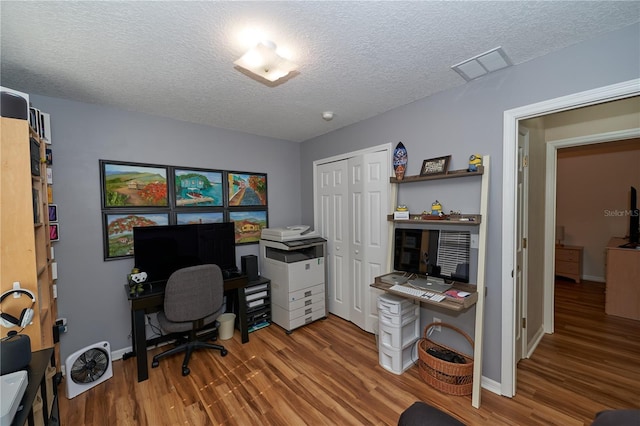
453 250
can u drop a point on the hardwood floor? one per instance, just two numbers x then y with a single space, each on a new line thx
328 373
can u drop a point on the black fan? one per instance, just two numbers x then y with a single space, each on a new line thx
89 366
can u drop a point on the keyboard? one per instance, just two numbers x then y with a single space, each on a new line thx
415 292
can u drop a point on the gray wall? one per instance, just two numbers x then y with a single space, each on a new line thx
469 119
90 291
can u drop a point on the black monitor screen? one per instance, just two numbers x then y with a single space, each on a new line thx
161 250
442 254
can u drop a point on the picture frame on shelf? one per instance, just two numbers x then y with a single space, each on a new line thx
248 225
127 185
435 166
118 231
198 188
246 189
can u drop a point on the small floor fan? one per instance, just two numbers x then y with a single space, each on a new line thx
87 368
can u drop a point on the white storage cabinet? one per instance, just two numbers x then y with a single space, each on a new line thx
399 330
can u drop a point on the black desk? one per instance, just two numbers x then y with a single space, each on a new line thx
36 376
152 300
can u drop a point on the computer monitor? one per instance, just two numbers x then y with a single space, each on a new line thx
161 250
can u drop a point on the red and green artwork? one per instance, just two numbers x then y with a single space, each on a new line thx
120 230
135 186
247 189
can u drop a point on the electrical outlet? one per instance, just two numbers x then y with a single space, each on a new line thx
437 327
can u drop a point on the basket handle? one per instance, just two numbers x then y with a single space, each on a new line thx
452 327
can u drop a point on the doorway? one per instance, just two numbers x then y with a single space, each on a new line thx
512 120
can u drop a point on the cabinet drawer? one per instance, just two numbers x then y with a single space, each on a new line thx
568 255
306 311
567 268
307 301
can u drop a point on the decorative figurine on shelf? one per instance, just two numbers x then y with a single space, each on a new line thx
136 279
400 159
475 160
401 213
436 208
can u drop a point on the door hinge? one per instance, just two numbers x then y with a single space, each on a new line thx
524 243
525 161
524 323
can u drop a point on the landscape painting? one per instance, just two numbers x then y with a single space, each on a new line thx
119 231
198 188
204 217
247 189
248 225
133 185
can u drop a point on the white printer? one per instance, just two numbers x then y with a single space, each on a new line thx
293 258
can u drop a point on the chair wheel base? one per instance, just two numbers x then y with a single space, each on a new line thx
154 364
185 371
223 352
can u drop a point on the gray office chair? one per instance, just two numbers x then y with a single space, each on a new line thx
192 300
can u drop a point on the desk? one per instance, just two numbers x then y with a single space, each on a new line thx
622 294
36 376
152 300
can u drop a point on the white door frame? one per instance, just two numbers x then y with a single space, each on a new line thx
509 205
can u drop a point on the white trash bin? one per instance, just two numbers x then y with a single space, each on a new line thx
227 325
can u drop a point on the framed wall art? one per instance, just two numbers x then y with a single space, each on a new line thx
118 231
53 212
54 232
435 166
201 217
248 225
198 188
246 189
126 185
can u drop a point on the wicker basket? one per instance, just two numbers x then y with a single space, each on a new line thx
448 377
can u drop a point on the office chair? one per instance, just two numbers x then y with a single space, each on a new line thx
193 299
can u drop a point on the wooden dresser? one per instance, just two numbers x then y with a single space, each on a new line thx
569 262
623 280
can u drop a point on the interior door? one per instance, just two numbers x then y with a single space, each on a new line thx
521 245
357 245
332 199
377 205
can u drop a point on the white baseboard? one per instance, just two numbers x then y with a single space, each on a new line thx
491 385
594 278
531 346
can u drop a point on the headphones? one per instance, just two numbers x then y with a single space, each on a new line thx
26 316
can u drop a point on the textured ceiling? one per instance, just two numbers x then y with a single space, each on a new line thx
358 59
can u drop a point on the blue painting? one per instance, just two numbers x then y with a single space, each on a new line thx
197 188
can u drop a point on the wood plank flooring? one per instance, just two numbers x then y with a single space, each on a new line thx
327 373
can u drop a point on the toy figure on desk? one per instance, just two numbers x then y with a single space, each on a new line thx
136 280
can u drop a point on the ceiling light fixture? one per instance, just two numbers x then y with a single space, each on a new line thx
490 61
262 60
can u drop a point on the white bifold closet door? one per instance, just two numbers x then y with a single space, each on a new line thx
352 201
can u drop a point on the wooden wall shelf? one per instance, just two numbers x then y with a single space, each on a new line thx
449 175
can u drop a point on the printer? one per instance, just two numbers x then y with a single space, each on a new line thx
293 258
290 237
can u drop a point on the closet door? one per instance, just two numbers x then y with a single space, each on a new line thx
368 204
352 199
332 199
